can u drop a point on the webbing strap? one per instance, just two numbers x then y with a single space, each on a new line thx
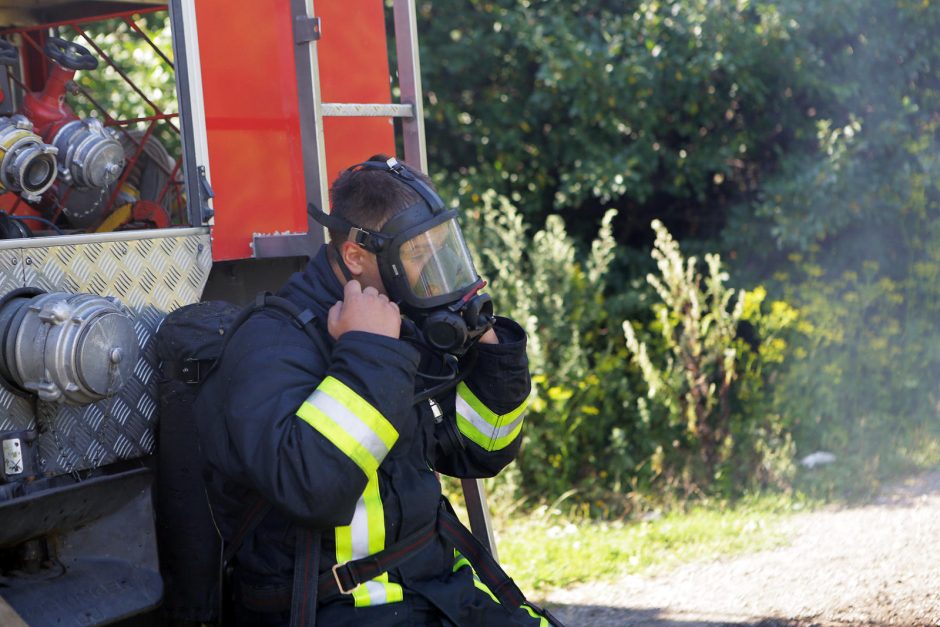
253 517
485 565
344 577
303 605
500 584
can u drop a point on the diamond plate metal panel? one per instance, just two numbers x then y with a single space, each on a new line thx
16 412
152 277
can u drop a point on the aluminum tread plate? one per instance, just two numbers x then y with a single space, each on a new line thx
151 276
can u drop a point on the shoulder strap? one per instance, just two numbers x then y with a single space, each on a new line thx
305 319
306 554
303 601
303 611
253 517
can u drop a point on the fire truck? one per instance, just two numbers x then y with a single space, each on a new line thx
109 221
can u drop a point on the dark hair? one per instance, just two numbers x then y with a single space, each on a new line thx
369 198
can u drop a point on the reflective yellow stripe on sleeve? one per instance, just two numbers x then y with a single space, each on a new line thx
350 423
481 425
365 535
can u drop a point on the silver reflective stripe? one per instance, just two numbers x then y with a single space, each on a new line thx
350 423
359 528
377 594
484 427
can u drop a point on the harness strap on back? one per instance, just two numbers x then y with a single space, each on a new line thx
307 548
303 605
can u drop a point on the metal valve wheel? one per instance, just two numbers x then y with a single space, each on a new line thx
70 55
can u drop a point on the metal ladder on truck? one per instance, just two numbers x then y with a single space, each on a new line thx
411 113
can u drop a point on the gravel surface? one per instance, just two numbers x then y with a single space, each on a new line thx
877 564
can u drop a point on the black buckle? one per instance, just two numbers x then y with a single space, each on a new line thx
359 235
339 578
373 242
191 371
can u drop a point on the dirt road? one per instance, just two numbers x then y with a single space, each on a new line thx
877 564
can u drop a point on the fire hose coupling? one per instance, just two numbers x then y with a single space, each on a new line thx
27 164
66 348
90 156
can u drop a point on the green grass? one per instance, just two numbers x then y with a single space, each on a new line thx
544 551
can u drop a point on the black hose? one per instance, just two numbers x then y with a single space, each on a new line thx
42 220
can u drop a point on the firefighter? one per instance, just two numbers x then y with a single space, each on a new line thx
345 439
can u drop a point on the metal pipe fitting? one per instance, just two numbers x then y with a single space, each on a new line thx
27 164
67 348
89 154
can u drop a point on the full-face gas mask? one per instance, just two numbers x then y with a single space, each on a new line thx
424 264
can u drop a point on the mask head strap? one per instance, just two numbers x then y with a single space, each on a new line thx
370 240
399 171
373 241
334 252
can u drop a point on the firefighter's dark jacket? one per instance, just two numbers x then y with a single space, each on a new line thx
256 443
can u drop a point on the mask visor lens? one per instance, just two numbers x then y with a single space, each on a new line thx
437 261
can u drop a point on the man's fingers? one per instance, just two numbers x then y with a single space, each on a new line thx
352 287
332 317
364 310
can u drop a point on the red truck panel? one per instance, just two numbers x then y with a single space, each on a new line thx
354 68
251 108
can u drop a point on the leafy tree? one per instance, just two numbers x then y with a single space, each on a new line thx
660 109
804 134
850 223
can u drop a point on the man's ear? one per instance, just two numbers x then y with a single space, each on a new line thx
354 256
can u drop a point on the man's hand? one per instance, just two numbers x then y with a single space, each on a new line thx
364 310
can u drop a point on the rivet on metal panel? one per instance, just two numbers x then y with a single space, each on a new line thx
13 261
29 261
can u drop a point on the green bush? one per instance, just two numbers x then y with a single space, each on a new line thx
802 134
579 423
715 430
707 427
849 232
863 381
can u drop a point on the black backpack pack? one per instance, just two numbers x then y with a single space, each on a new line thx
188 344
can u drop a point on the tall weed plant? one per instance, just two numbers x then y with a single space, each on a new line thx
592 437
577 442
706 380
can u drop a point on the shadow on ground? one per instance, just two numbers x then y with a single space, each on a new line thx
602 616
